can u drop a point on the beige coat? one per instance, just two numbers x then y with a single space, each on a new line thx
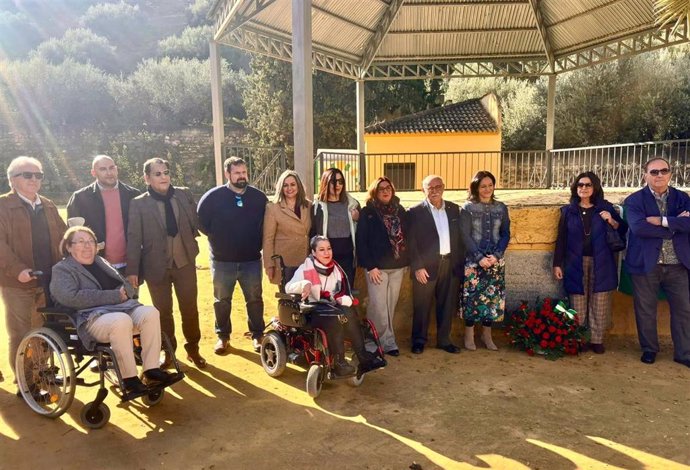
286 235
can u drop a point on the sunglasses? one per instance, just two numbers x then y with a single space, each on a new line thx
339 181
385 189
663 171
160 173
238 201
27 175
584 185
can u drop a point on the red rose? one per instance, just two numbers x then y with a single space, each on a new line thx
355 301
552 329
543 344
552 344
559 339
530 352
325 294
546 336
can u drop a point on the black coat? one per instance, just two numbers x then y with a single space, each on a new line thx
88 203
424 244
374 248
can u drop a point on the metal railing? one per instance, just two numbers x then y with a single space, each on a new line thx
618 165
265 164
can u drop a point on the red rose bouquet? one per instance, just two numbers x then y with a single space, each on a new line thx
553 331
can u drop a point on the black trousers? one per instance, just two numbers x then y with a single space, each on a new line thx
444 289
326 317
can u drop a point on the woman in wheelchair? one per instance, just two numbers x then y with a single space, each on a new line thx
321 281
107 310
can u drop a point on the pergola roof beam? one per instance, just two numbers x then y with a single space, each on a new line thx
548 50
454 3
462 31
237 13
372 47
342 18
586 12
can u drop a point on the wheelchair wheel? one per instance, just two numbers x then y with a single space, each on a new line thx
94 419
315 378
355 381
45 372
153 398
273 354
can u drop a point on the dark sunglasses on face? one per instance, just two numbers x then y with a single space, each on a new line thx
27 175
339 181
584 185
160 173
663 171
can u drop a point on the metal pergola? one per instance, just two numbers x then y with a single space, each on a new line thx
420 39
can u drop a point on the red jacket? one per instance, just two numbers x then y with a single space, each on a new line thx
16 253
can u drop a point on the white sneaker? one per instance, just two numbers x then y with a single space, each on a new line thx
256 344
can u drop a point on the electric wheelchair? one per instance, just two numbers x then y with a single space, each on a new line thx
51 359
290 338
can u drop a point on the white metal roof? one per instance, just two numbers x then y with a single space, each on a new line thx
397 39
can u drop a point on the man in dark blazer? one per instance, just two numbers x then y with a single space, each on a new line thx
162 249
659 256
104 205
437 256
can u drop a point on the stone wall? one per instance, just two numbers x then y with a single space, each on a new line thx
528 274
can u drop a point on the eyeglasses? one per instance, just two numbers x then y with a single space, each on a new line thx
159 173
84 243
238 201
662 171
385 189
339 181
27 175
584 185
438 187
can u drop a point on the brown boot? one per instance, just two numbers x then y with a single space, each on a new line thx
469 338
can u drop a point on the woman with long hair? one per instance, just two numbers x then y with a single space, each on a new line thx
287 222
583 259
335 215
382 252
486 232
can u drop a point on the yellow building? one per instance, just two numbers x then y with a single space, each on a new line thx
453 141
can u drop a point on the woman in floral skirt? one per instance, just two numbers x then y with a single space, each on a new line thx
485 228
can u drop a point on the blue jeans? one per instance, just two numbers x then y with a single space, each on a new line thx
225 275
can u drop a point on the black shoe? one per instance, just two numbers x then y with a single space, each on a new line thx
154 377
450 348
134 386
394 352
685 362
648 357
342 368
597 348
417 348
371 363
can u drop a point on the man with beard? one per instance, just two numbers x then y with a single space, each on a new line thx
104 205
232 217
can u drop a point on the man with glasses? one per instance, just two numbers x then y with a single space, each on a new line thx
104 205
437 256
659 256
30 233
162 249
232 216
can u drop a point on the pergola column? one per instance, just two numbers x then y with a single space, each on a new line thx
360 136
217 109
550 118
302 99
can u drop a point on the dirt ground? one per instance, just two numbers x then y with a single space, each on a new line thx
503 410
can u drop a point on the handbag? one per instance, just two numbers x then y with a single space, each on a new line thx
615 242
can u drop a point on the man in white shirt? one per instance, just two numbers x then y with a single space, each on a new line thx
437 256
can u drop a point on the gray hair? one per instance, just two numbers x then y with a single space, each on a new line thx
19 162
426 181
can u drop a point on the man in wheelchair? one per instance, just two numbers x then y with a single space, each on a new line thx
107 310
322 282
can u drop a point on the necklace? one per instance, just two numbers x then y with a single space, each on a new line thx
583 213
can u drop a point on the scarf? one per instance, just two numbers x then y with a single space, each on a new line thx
391 221
170 222
312 272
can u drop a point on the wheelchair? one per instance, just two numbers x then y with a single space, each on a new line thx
50 361
290 338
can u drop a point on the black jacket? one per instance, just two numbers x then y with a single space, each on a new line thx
424 244
88 203
374 249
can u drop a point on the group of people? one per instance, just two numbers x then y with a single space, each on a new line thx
455 257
